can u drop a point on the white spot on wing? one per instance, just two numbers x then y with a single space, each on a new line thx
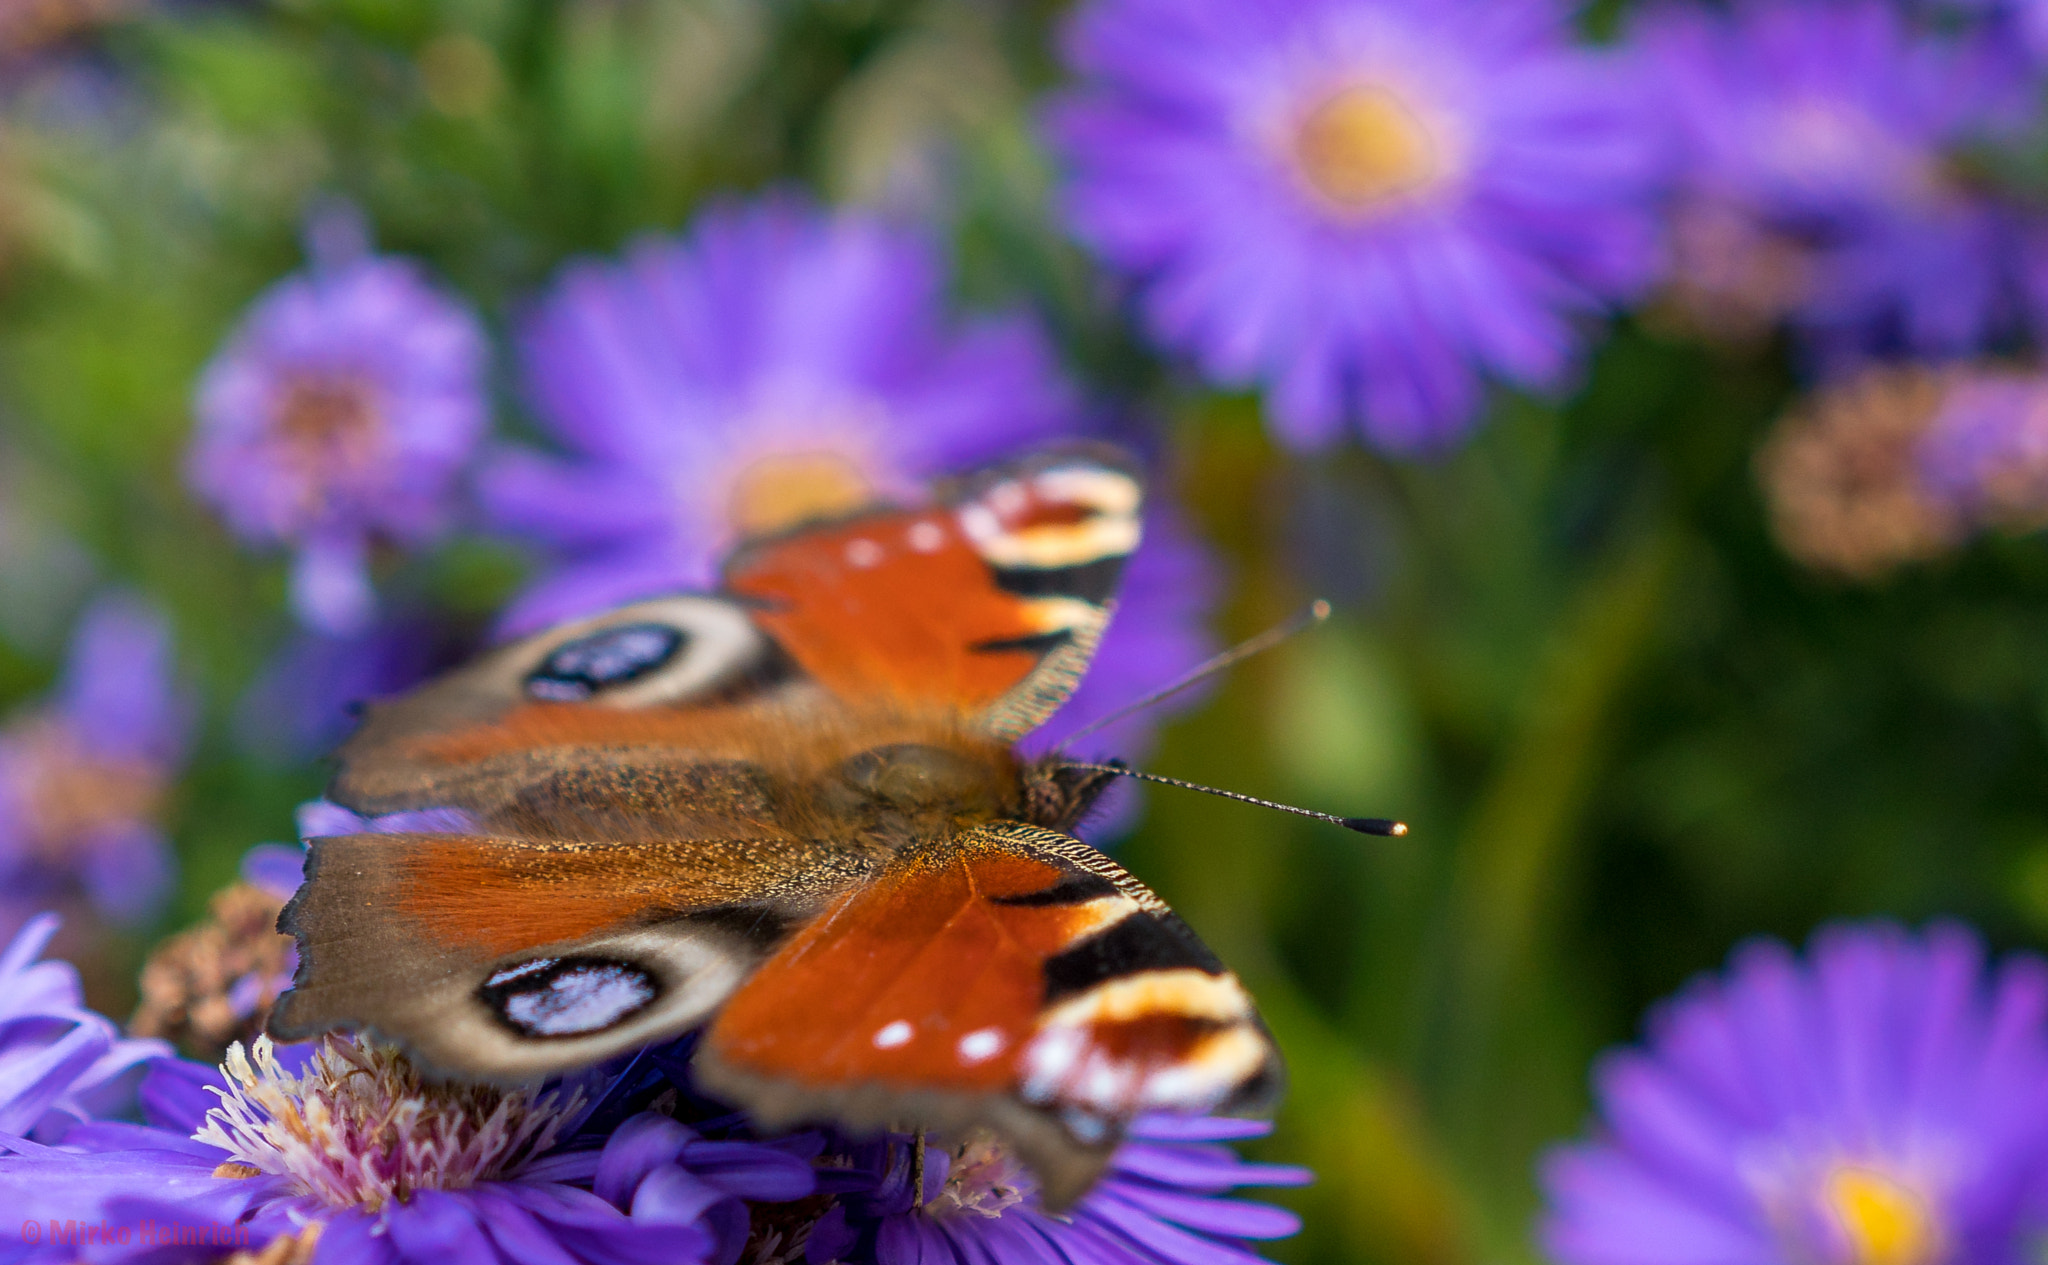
981 1045
892 1035
862 552
927 536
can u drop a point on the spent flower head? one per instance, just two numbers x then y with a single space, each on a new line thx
213 985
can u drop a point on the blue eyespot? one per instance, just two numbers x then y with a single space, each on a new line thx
603 660
567 997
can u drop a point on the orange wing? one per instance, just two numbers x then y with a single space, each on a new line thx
1009 978
989 605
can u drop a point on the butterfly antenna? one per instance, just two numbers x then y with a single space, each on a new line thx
1317 612
1386 826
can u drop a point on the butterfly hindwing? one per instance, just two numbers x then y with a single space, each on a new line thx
506 960
1010 978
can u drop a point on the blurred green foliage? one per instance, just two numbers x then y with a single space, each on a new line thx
1626 731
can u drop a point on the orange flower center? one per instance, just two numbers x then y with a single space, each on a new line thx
1366 147
1882 1221
782 491
328 419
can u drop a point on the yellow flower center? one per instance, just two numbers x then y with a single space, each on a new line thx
1882 1220
779 492
1364 147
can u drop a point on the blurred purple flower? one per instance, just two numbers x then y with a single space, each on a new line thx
1884 1099
339 414
1160 1203
1835 128
1367 206
347 1148
1985 454
60 1063
774 363
304 700
83 777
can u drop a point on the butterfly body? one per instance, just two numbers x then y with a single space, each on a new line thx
792 811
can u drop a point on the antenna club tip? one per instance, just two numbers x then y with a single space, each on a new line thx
1320 609
1375 826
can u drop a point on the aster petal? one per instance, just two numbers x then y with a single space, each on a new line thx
330 584
638 1147
31 1085
177 1093
1205 1168
520 1236
751 1171
437 1227
910 1241
1161 1127
1606 1212
351 1238
831 1238
1229 1218
1110 1207
570 505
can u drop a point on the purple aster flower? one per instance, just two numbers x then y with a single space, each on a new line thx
775 363
1160 1203
1833 128
339 414
347 1151
83 776
1883 1099
1367 206
60 1063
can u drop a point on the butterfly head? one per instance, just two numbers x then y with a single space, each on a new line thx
1058 794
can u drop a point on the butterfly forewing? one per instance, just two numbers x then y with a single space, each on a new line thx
990 604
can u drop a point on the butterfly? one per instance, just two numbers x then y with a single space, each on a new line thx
791 813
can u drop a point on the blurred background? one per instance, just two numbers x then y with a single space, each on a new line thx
1700 598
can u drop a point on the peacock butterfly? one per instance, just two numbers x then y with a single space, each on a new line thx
791 810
